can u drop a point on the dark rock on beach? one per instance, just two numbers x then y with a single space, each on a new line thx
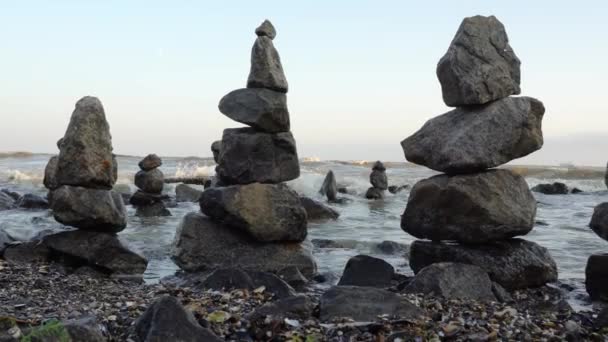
266 69
150 181
513 263
262 109
329 187
599 220
186 193
378 179
152 210
556 188
201 244
6 201
473 208
5 241
596 277
480 65
267 212
294 307
472 139
216 147
249 156
89 209
316 210
50 174
394 189
168 320
141 198
374 193
392 247
453 281
364 304
234 278
85 157
364 270
32 201
150 162
266 29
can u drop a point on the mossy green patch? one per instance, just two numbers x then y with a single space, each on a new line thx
52 330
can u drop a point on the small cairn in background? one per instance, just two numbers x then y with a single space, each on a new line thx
378 180
148 200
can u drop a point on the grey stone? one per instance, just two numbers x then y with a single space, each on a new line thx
186 193
378 179
473 208
267 212
329 187
12 194
294 307
266 69
89 209
316 211
249 156
143 198
85 329
85 157
235 278
27 253
596 277
216 147
395 189
100 250
262 109
5 240
364 304
50 174
392 247
374 193
150 181
378 166
475 138
556 188
150 162
6 201
292 276
599 220
152 210
266 29
480 65
514 263
453 281
364 270
32 201
168 320
201 244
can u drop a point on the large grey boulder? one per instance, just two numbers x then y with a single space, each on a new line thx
266 29
50 174
480 65
329 187
249 156
101 250
216 147
316 210
475 138
267 212
266 69
201 244
514 263
85 157
364 304
168 320
599 220
453 281
186 193
364 270
150 162
89 209
150 181
473 208
262 109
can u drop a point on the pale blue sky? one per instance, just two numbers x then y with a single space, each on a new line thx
361 73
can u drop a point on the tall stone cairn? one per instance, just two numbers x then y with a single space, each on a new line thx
252 220
148 199
474 210
81 177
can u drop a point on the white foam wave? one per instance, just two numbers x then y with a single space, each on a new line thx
194 169
18 176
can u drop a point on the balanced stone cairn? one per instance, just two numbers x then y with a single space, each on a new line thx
472 204
378 180
252 220
80 181
150 180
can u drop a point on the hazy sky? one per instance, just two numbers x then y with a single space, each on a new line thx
361 73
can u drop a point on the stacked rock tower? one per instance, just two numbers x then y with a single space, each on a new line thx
476 209
150 181
378 180
81 178
261 220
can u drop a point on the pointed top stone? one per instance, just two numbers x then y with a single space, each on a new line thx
480 65
378 166
266 29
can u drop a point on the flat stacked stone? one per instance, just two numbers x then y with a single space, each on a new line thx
148 200
251 219
378 180
80 181
472 212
